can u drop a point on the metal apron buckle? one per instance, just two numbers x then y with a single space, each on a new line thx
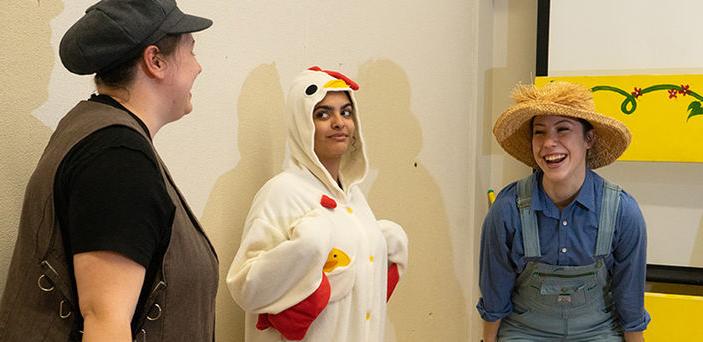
158 313
45 288
47 279
142 334
61 314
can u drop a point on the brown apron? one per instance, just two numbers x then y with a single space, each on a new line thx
38 303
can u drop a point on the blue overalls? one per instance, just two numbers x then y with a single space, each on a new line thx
563 303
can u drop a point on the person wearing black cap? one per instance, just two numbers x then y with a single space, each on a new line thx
107 248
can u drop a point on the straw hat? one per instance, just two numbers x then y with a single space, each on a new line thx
513 129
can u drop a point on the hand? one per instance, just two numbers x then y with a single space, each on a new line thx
294 322
312 233
635 336
490 331
393 278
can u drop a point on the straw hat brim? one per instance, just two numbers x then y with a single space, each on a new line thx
513 132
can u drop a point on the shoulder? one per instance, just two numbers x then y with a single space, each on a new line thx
111 137
630 226
283 200
112 148
119 132
628 204
281 186
629 212
506 198
286 190
120 136
504 208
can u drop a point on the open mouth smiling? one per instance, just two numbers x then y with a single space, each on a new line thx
554 158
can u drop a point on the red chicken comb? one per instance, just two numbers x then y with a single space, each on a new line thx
338 75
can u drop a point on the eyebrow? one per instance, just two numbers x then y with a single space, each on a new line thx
569 121
348 104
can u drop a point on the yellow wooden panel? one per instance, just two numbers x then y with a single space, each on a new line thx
663 112
674 317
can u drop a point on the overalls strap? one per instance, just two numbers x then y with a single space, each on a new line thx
608 214
528 218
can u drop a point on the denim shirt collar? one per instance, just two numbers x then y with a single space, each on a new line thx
541 202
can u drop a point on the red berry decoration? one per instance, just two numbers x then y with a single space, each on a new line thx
328 202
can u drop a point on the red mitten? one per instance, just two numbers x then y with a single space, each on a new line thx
263 322
294 322
393 278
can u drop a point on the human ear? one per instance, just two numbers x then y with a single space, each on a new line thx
153 61
590 138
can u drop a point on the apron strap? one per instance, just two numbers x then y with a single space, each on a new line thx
528 218
608 214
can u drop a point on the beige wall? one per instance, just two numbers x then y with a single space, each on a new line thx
26 61
433 76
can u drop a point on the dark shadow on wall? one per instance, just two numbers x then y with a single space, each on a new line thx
261 137
26 61
428 304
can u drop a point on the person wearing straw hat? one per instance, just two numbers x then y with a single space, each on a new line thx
563 251
107 248
314 263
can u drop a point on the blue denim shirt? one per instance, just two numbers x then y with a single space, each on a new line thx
568 238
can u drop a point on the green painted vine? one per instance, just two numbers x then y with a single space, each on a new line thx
629 104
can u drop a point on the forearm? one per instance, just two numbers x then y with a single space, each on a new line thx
490 331
629 271
106 329
635 336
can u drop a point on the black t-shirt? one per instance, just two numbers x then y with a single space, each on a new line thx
109 195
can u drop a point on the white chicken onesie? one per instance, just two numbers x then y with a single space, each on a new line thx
314 263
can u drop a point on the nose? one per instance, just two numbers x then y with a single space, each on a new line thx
550 139
337 121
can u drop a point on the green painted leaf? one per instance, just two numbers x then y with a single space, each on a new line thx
694 109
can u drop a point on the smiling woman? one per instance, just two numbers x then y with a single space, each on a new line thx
562 242
559 146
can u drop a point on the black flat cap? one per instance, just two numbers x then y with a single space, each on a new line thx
113 31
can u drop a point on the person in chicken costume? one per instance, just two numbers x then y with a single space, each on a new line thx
314 263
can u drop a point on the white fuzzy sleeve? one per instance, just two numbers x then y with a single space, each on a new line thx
278 267
397 242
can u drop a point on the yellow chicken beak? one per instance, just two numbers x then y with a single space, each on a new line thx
335 84
336 258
